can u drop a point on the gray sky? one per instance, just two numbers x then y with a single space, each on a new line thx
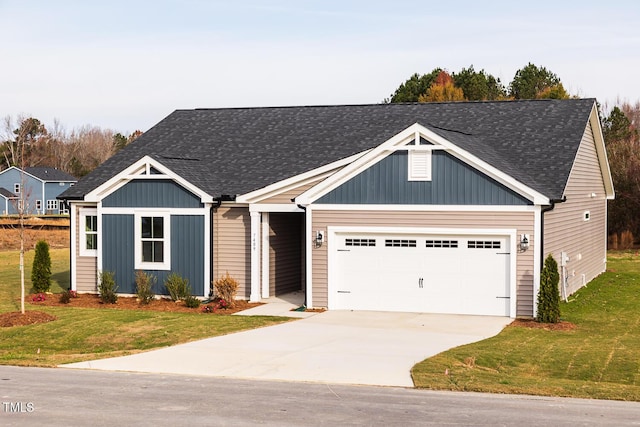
125 65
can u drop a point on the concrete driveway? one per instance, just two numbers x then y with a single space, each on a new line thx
346 347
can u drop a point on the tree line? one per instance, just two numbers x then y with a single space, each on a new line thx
529 82
28 142
620 128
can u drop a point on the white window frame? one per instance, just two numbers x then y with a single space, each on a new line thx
166 239
419 165
39 206
84 213
64 209
17 188
52 205
586 216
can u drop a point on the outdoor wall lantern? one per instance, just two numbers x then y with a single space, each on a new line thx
524 242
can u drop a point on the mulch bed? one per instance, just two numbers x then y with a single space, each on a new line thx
131 303
124 303
29 317
530 323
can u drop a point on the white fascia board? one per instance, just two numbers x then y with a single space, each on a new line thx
172 211
426 208
268 207
398 142
133 172
297 180
231 204
598 137
422 230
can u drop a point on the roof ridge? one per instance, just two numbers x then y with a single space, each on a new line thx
381 104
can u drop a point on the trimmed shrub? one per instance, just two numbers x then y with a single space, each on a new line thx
226 288
549 294
65 297
177 286
144 287
192 302
41 270
107 287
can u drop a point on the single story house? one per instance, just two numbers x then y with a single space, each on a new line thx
40 190
434 207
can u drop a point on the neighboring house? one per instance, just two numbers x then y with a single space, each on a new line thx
42 186
435 207
8 201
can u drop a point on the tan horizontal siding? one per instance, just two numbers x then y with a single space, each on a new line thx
289 194
521 221
86 268
231 243
86 274
564 227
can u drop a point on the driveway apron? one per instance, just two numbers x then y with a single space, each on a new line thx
342 347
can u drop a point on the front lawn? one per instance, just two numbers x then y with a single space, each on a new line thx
600 358
84 334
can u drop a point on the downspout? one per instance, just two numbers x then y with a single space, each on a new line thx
548 208
214 206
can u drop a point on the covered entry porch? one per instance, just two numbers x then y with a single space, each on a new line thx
277 251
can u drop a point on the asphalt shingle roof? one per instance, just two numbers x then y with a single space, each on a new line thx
238 150
49 174
7 194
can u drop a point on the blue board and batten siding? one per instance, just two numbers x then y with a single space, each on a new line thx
187 252
152 193
187 239
452 183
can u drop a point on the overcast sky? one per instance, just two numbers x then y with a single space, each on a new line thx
125 65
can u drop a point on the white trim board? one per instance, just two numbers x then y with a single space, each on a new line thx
424 208
171 211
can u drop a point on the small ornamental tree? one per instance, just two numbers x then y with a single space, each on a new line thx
41 270
549 294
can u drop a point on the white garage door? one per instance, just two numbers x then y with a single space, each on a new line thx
420 273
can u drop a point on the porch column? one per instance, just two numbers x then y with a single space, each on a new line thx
265 254
255 257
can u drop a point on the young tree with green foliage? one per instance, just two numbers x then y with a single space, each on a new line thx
549 293
41 270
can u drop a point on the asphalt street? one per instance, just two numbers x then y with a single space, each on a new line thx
61 397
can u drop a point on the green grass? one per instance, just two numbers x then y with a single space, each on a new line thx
600 358
84 334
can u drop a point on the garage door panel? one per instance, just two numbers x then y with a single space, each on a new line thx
421 273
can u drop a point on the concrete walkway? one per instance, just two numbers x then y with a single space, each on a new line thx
346 347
